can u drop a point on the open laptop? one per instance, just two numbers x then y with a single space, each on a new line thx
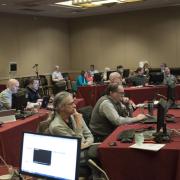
45 102
50 157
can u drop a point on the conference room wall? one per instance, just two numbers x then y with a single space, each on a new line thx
126 38
30 40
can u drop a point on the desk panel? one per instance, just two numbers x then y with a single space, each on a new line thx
11 135
123 163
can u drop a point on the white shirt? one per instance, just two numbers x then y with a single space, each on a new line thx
57 76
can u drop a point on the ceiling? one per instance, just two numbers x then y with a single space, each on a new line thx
47 8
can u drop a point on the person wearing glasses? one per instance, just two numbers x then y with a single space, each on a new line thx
66 121
110 111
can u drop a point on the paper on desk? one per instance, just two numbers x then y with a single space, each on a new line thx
148 146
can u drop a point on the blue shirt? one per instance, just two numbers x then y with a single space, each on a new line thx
81 81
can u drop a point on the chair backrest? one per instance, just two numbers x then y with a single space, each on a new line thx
86 112
43 80
43 126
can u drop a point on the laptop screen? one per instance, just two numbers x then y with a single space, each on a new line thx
51 157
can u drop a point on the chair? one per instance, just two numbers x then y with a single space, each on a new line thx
44 87
58 86
43 126
86 112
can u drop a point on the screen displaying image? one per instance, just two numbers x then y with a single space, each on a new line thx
50 156
42 157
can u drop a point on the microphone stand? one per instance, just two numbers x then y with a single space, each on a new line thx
37 75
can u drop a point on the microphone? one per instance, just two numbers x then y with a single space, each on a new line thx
95 167
35 65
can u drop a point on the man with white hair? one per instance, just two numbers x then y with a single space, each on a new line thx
6 95
56 75
58 81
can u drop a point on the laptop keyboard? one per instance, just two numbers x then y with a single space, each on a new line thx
24 115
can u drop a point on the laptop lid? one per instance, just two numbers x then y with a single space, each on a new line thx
50 157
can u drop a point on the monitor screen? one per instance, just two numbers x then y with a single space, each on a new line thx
175 71
156 78
126 73
19 100
162 110
153 70
50 157
108 74
97 77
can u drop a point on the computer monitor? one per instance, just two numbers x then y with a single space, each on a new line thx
161 134
162 109
175 71
50 157
156 78
126 73
19 100
108 74
97 77
153 70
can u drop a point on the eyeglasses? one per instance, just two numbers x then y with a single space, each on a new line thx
121 93
71 103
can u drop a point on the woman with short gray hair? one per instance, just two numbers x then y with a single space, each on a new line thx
67 121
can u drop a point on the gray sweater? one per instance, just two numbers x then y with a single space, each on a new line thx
107 115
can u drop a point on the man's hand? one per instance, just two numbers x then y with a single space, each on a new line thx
127 101
140 117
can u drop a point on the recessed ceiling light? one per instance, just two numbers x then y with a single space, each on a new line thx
91 3
3 4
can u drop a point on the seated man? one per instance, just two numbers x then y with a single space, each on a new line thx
115 77
139 79
32 90
92 70
111 111
6 95
67 121
58 81
169 79
56 75
120 69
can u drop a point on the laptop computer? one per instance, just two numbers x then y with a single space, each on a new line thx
45 102
49 156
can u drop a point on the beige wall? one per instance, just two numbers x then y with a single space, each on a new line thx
110 40
31 40
126 39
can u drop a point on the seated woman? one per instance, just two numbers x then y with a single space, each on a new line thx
67 121
81 80
89 77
